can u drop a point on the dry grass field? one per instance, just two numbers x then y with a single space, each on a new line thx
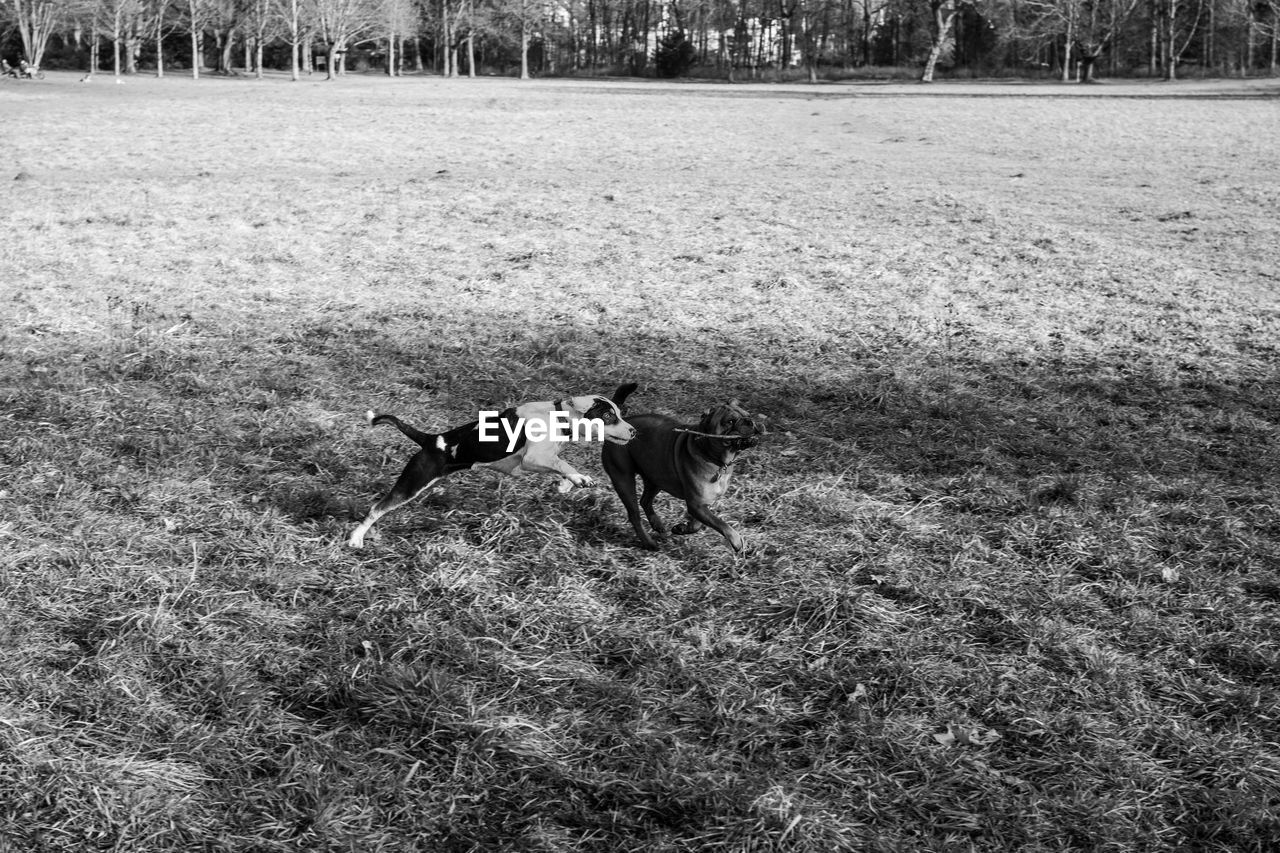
1013 545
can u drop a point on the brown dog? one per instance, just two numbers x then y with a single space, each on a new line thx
694 464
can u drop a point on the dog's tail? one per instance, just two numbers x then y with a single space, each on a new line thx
422 438
622 393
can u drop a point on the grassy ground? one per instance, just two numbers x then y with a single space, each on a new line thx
1013 547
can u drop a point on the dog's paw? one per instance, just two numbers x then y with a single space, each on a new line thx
354 542
684 528
582 481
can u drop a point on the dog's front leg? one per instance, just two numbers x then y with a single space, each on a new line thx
625 486
700 514
555 465
651 491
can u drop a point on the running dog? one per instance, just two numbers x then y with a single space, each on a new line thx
518 441
694 464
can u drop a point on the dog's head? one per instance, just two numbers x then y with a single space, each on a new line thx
730 420
608 412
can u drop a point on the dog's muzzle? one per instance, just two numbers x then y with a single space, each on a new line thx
745 435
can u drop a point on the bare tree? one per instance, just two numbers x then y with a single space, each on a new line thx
521 17
1098 22
160 23
815 29
297 30
1274 65
36 21
262 23
120 19
397 17
942 15
225 18
1260 18
1083 27
197 15
341 23
1173 23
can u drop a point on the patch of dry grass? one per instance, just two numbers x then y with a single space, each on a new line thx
1019 355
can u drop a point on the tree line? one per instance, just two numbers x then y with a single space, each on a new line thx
737 39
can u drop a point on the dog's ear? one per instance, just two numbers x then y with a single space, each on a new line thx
622 393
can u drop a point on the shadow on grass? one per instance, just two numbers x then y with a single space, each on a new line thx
1040 548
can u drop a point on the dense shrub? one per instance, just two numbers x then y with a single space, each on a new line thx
674 54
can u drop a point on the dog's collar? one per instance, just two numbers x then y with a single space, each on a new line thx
723 463
563 405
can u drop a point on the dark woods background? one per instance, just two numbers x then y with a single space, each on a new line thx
734 39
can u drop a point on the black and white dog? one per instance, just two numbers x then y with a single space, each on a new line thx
519 440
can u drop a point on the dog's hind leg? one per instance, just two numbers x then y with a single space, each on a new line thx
422 472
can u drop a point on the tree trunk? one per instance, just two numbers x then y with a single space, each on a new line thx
1066 49
866 32
1153 58
293 40
228 45
942 21
160 43
447 26
931 63
391 55
1247 64
248 56
1275 40
331 60
1113 55
115 44
1087 61
257 55
524 50
93 52
471 39
1207 49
